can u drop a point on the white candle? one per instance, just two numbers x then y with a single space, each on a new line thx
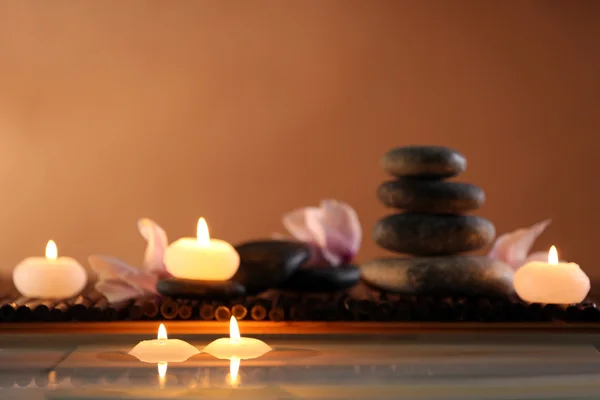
236 347
163 350
553 282
202 258
49 277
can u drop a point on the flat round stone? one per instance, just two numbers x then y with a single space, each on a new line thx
193 289
265 264
323 279
424 161
432 234
440 276
431 196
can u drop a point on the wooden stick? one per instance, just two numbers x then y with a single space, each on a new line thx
222 313
169 308
22 312
150 309
239 311
207 311
185 311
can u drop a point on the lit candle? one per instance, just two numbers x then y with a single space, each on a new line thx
236 347
553 282
202 258
49 277
163 350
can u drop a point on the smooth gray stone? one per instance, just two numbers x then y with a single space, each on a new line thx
424 161
431 196
433 234
193 289
440 276
265 264
323 279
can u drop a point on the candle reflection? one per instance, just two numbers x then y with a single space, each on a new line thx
162 373
234 367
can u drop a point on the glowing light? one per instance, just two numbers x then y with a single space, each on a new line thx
51 250
162 373
234 368
234 330
162 333
553 256
202 233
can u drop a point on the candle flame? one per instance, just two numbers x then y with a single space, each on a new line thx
202 233
51 250
234 330
234 367
553 256
162 333
162 372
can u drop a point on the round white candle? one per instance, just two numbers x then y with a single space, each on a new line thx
163 350
202 258
553 282
49 277
236 347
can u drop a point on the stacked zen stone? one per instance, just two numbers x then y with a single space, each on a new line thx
434 229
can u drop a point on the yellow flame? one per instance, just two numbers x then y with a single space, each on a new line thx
234 330
162 373
234 367
553 256
202 233
162 332
51 250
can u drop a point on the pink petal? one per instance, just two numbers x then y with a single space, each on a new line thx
513 247
157 244
111 269
295 223
343 220
331 243
116 291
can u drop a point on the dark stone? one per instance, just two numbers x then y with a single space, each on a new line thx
268 263
440 276
193 289
424 161
433 235
323 279
431 196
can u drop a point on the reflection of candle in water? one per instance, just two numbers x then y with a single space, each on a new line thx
162 372
234 367
163 349
236 346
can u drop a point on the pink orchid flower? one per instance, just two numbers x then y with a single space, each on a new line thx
119 281
333 229
513 248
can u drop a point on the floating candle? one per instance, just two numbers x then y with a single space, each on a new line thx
553 282
202 258
236 346
163 350
49 277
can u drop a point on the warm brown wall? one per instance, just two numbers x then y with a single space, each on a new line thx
240 110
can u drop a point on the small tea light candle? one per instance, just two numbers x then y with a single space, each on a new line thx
202 258
236 347
553 282
163 350
50 277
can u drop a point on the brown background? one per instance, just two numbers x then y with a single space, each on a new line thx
240 111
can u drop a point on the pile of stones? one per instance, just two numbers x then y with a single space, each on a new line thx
434 228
